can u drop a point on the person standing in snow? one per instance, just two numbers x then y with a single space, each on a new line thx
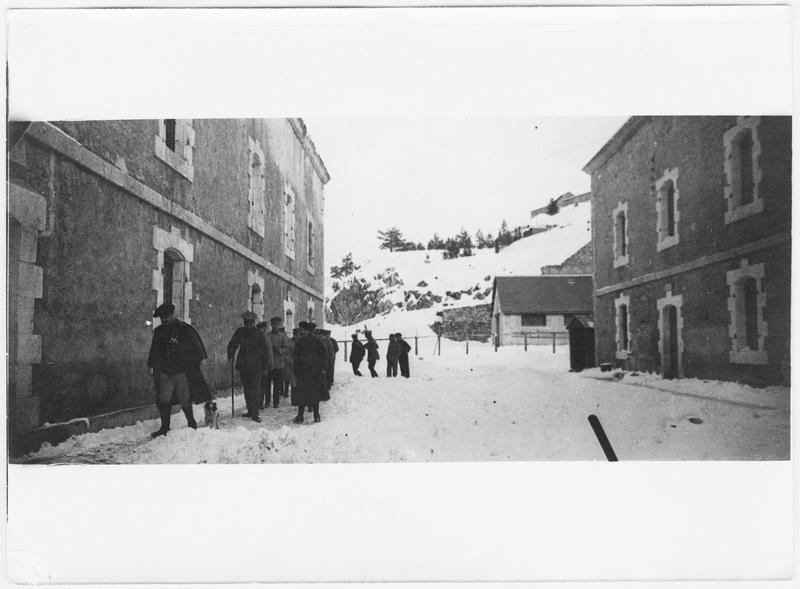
252 361
356 354
392 354
288 363
403 358
372 353
279 343
176 352
332 348
310 364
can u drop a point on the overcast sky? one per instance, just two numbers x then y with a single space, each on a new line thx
439 175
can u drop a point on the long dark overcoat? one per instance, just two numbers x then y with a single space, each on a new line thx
357 352
190 353
310 364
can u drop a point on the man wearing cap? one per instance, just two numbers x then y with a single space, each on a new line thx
279 343
331 348
373 355
176 352
356 354
310 364
252 361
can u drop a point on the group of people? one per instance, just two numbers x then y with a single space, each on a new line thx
396 354
271 366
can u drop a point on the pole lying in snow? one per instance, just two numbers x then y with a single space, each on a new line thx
602 438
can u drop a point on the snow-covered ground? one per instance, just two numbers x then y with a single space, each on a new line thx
485 406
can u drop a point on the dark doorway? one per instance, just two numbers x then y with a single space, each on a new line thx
671 360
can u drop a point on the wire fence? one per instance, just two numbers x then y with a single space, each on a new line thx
460 343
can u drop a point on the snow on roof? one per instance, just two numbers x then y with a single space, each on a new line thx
544 294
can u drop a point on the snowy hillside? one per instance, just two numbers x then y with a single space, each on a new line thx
391 282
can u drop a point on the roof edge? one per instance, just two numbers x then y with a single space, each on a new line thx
613 145
300 129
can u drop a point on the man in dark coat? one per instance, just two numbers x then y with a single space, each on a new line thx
372 353
176 352
310 366
331 347
251 362
357 354
403 357
392 354
280 344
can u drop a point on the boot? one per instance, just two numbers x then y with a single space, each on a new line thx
187 411
299 418
165 411
316 413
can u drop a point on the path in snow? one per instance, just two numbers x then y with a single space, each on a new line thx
505 405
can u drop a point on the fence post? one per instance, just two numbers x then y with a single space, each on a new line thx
554 342
345 349
496 341
439 343
466 339
416 346
526 341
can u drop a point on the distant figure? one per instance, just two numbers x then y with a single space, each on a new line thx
176 352
392 355
403 359
288 364
310 364
357 354
372 353
252 361
279 343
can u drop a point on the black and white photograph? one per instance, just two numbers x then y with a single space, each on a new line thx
343 282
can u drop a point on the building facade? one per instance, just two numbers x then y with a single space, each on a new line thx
691 224
109 219
537 308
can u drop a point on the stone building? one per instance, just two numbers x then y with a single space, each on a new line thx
537 307
578 263
691 221
109 219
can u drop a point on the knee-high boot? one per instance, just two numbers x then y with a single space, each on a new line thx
187 411
165 411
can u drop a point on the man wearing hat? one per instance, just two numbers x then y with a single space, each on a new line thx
310 364
331 348
402 358
252 361
280 344
176 352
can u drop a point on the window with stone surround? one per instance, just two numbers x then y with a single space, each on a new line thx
174 145
288 310
171 276
256 187
667 216
289 207
623 326
621 235
746 302
310 258
311 310
742 170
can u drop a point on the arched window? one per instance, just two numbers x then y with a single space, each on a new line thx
257 301
742 169
748 327
620 229
622 243
256 189
173 279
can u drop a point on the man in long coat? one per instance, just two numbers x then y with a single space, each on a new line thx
357 354
176 352
402 358
279 343
392 355
310 367
331 347
251 362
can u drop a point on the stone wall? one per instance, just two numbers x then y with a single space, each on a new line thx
473 323
578 263
112 203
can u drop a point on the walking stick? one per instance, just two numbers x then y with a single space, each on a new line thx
231 389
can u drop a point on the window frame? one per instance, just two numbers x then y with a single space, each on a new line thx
180 159
665 240
732 166
621 210
737 327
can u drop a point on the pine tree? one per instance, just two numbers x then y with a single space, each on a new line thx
391 239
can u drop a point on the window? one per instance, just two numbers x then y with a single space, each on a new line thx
746 301
534 320
288 310
256 188
289 220
623 323
670 334
257 301
311 310
171 276
289 321
742 171
621 235
667 209
174 145
310 260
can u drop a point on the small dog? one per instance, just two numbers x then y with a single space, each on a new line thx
212 415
